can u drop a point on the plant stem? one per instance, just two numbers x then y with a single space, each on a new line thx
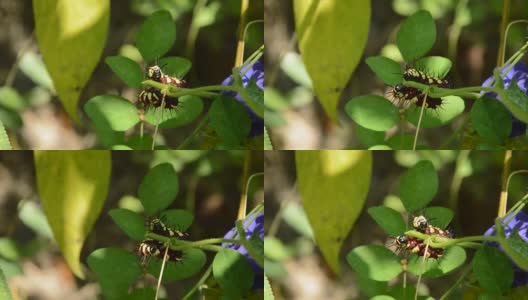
199 283
440 242
419 121
193 29
161 272
457 283
259 259
242 206
503 199
204 91
504 24
195 132
244 5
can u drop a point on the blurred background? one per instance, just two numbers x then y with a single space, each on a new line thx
469 184
467 34
210 187
31 112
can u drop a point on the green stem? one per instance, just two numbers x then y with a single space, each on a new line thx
242 205
440 242
505 17
195 132
259 259
193 29
182 245
199 283
204 91
244 7
457 283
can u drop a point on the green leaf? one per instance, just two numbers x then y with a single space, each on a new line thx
453 258
418 186
401 142
230 120
4 139
158 189
178 218
126 69
4 288
71 37
276 250
32 216
9 249
370 287
138 142
294 215
116 269
438 216
333 186
32 66
113 112
452 107
130 222
233 272
373 112
385 68
193 261
516 248
320 27
268 292
108 137
492 269
175 66
11 99
416 36
292 64
491 120
142 294
382 297
189 108
434 66
375 262
10 119
72 186
156 35
516 101
267 140
369 138
388 219
256 96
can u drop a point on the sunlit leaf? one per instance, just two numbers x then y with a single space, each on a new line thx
71 37
72 186
332 36
333 187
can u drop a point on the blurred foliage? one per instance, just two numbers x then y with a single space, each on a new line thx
210 185
468 182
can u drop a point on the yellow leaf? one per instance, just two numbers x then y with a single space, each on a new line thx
72 186
333 186
71 36
332 35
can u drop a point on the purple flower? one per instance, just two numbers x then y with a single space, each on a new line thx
520 222
256 72
256 227
519 72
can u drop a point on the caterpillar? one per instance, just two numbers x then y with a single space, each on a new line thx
421 224
414 245
158 226
149 247
156 74
152 97
404 93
